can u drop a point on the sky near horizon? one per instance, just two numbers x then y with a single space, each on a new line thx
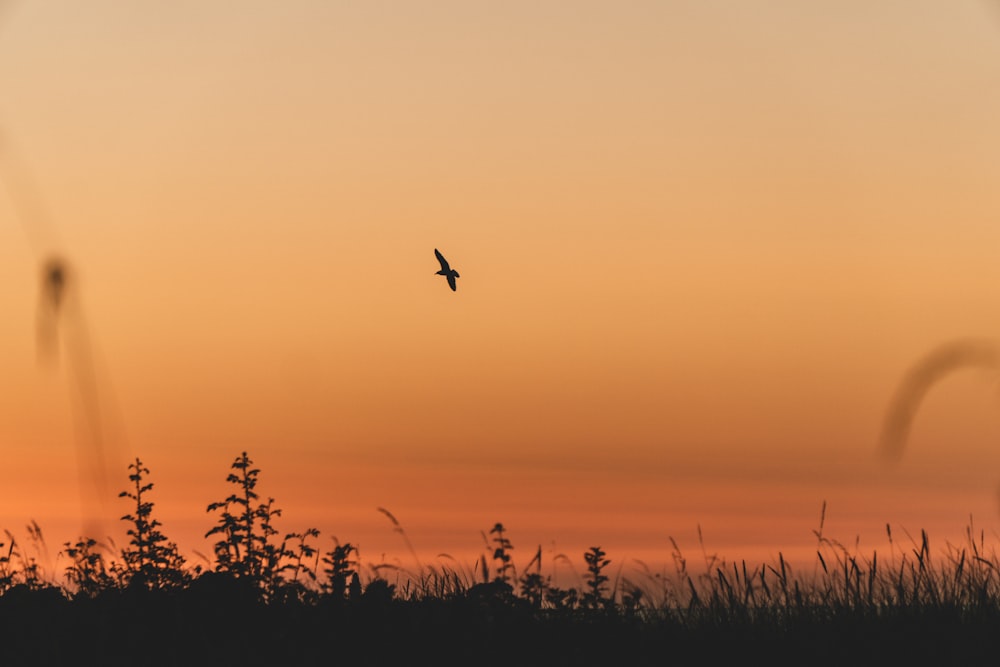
700 243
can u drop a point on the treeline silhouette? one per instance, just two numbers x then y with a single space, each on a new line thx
279 599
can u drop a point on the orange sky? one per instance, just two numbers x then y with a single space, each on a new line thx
700 243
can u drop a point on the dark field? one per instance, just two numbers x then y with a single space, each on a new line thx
278 600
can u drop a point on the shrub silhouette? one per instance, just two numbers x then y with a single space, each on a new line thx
18 569
501 555
7 571
151 561
596 562
246 550
302 566
533 585
88 572
340 570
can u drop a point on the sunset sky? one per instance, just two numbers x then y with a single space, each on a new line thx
700 242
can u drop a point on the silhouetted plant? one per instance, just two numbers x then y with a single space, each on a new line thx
340 570
631 599
88 572
533 585
397 527
378 592
18 569
499 588
271 554
562 599
6 569
301 583
596 562
354 587
151 561
30 570
500 553
483 566
246 549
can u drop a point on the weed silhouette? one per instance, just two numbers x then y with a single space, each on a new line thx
533 584
594 598
303 560
398 528
88 572
340 569
501 554
247 550
151 561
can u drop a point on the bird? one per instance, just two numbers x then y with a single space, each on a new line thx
446 270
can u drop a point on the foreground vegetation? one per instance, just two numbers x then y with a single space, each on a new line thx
274 599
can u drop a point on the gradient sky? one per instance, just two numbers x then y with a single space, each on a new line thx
700 243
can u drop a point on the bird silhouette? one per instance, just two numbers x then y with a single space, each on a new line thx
446 270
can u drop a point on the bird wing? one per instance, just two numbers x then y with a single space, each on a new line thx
451 280
444 262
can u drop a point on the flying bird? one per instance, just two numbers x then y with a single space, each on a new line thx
446 270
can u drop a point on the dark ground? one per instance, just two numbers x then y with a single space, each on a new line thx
227 625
